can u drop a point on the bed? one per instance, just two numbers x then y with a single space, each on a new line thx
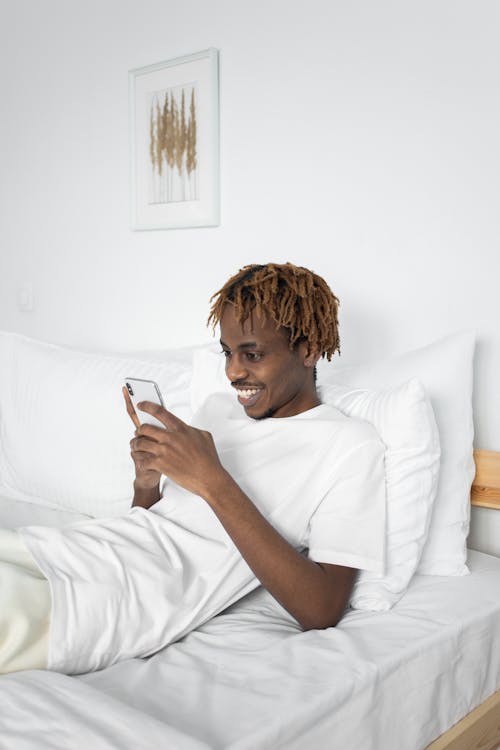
424 673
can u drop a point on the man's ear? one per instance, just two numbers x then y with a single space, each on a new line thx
311 356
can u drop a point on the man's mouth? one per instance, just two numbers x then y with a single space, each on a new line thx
248 396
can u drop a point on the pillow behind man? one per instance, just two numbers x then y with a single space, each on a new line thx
404 419
64 429
445 369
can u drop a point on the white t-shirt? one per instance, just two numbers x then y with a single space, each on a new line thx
126 587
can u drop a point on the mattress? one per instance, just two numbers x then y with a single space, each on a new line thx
251 679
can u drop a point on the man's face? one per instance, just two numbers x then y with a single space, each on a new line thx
270 379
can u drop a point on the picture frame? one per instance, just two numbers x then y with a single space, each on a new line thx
174 133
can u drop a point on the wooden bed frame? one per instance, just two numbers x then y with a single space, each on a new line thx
479 730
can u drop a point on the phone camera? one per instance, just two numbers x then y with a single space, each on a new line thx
129 389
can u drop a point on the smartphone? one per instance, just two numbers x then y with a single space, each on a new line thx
144 390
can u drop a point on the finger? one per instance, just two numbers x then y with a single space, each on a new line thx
170 421
140 433
130 409
140 456
152 432
146 463
145 444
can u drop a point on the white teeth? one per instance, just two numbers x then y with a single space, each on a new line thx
247 394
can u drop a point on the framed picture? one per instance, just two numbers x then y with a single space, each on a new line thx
174 123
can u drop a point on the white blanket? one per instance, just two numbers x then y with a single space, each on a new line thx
250 680
125 587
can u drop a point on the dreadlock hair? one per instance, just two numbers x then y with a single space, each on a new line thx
291 296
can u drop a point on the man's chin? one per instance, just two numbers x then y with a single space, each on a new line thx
264 415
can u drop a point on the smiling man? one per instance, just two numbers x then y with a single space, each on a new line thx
298 488
271 379
284 311
270 487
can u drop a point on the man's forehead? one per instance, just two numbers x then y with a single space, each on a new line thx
252 331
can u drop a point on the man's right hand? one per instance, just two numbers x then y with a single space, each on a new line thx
147 481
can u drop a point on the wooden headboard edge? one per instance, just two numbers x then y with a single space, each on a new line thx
485 491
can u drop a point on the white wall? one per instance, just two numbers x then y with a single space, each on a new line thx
357 137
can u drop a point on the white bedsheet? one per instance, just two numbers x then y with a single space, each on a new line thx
249 679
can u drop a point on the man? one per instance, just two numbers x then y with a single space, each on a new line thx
285 492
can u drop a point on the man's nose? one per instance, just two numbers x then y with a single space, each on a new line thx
236 368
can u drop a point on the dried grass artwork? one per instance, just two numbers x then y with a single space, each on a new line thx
173 146
174 129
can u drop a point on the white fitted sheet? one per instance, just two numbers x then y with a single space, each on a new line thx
250 679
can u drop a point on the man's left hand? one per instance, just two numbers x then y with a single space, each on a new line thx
185 454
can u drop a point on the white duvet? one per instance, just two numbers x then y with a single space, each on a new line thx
249 679
127 586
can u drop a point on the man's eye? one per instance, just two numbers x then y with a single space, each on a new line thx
253 356
225 353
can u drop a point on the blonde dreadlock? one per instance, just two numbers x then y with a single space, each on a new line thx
291 296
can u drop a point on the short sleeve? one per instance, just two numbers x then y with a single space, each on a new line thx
348 526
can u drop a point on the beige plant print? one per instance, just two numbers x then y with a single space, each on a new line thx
172 145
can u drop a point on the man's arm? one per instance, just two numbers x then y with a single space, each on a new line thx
145 497
147 482
314 593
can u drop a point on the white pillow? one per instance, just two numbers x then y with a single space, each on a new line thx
209 375
404 419
445 370
64 432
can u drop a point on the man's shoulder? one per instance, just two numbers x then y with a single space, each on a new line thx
347 431
326 419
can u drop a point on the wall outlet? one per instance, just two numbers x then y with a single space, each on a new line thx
25 297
